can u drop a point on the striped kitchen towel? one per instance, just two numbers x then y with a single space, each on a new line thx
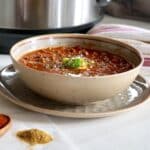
121 31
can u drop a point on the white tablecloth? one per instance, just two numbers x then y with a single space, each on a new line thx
127 131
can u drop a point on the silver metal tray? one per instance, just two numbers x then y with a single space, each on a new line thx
15 91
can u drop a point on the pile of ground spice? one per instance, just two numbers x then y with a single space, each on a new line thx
34 136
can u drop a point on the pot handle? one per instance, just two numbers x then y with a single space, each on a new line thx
102 3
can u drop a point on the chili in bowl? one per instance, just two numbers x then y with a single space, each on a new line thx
76 68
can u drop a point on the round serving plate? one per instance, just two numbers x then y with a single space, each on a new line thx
14 90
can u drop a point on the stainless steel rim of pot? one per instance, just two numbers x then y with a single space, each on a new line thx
47 14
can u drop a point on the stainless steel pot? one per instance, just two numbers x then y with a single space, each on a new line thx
48 14
20 19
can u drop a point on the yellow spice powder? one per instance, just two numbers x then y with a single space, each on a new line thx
34 136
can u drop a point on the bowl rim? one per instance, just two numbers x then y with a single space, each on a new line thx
83 36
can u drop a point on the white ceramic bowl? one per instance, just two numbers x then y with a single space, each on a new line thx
70 89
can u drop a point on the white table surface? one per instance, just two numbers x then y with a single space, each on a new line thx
127 131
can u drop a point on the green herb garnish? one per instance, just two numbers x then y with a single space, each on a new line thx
75 63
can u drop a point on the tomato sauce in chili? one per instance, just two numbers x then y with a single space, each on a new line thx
75 60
